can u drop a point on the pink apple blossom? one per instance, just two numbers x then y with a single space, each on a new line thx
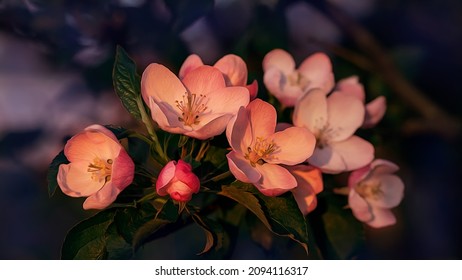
374 189
199 106
258 151
375 110
99 167
177 180
288 84
309 184
333 119
232 67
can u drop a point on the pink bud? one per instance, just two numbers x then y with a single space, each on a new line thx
177 180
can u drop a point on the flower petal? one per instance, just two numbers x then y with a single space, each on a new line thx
253 89
262 117
74 180
241 168
227 100
191 62
391 191
123 170
165 176
280 59
293 145
352 86
160 83
216 125
382 218
343 156
375 110
103 198
275 180
234 69
89 144
203 80
272 78
309 183
317 68
311 111
382 166
360 208
345 115
239 131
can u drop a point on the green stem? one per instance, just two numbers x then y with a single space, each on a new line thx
218 177
151 131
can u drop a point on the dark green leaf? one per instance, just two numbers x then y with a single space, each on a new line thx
87 240
338 234
127 83
116 233
213 233
279 214
53 172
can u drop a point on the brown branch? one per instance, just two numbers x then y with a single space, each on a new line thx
434 118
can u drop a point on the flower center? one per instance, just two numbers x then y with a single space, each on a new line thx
296 79
324 133
261 152
191 107
369 189
100 170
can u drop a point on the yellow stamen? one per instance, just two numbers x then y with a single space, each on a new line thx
100 170
261 152
192 106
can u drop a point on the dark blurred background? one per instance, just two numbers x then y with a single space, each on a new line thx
56 61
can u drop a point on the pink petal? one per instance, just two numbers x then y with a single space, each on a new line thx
262 117
167 118
361 210
309 183
103 130
90 144
392 191
275 180
345 115
74 180
253 89
311 111
280 59
358 174
317 68
192 62
343 156
382 166
160 83
241 168
272 78
227 100
282 126
352 86
375 110
239 131
179 191
103 198
123 170
203 80
215 125
382 218
290 95
234 70
165 176
293 145
184 174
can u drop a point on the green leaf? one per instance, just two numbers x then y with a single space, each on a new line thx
87 240
338 233
213 233
127 83
53 170
116 233
279 214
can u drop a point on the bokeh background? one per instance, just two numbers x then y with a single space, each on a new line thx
55 79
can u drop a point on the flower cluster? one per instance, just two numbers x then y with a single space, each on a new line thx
205 104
